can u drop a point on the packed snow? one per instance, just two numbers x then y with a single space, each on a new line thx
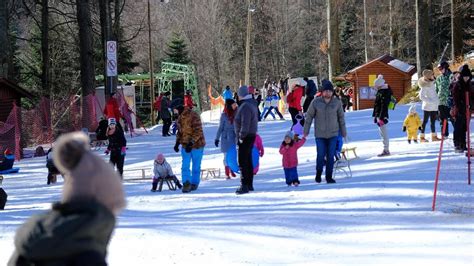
381 215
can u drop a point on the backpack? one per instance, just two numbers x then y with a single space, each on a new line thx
392 103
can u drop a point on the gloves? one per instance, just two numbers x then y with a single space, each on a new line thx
419 128
176 147
375 120
240 141
123 151
216 142
382 122
188 147
106 152
404 129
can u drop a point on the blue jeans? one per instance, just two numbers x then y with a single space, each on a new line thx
291 175
326 149
196 157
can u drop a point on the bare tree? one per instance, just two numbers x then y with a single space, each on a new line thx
423 47
333 38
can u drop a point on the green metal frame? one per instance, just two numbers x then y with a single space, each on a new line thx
172 71
169 72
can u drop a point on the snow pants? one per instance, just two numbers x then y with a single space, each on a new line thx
195 156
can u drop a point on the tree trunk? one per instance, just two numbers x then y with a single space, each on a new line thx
4 43
86 55
45 64
423 38
456 30
333 39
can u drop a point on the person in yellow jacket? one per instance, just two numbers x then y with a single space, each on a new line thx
412 124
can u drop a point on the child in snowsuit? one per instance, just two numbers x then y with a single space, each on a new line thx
117 145
266 108
162 170
52 170
412 124
257 148
289 150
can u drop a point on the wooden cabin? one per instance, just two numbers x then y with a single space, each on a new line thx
10 93
397 75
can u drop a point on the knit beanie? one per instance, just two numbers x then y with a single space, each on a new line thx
112 121
160 157
379 81
289 134
327 85
243 91
87 176
465 71
412 109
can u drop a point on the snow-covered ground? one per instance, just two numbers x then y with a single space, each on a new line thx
382 215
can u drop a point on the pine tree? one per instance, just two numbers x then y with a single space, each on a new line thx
177 52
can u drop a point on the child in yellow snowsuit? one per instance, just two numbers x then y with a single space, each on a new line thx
412 124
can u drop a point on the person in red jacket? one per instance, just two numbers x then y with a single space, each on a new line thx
294 101
111 109
289 149
188 100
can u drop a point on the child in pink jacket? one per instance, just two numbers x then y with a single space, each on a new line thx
257 152
289 150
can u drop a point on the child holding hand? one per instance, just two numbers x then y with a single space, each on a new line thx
289 149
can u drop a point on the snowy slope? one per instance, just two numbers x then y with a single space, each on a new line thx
382 215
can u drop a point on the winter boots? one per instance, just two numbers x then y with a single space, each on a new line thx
384 153
422 138
228 172
186 187
434 137
318 176
243 189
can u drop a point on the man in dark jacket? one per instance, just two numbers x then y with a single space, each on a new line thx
328 116
165 114
380 113
310 92
77 230
246 124
460 88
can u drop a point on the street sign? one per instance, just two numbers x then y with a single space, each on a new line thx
111 58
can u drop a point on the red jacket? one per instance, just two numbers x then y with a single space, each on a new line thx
290 155
188 101
112 109
294 97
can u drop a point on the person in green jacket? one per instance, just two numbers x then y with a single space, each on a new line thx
442 88
77 230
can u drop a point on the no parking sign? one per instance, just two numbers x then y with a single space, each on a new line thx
111 58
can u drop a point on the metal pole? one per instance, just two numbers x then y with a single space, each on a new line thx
150 58
365 32
247 47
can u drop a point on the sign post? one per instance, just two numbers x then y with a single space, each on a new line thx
111 62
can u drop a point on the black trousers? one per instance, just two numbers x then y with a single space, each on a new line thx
276 110
117 159
307 102
459 134
166 126
443 115
293 112
432 116
245 160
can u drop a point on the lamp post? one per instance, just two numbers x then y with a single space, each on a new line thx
150 62
250 10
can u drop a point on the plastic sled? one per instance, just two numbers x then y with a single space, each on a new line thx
10 171
232 161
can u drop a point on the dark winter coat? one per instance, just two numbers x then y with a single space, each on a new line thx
117 140
164 111
246 119
382 99
226 133
310 88
74 233
458 91
101 131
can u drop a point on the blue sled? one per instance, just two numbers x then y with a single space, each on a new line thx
10 171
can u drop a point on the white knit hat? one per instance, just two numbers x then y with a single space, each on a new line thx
412 109
87 176
379 81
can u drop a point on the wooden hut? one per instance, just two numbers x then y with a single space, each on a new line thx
10 93
397 75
